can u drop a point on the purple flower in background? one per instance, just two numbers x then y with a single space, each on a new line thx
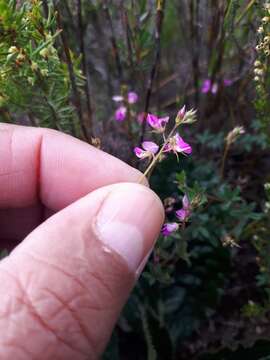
208 86
169 228
149 149
184 213
132 97
120 113
158 124
177 145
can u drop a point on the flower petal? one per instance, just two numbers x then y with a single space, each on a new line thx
140 153
181 145
182 214
132 97
150 146
169 228
206 86
185 202
152 120
120 113
117 98
163 121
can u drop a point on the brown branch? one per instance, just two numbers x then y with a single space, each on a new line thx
113 40
84 68
75 92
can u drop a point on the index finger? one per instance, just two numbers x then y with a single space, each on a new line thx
57 169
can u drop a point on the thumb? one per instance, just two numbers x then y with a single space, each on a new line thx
63 287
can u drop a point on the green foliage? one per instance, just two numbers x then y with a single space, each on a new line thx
34 81
184 282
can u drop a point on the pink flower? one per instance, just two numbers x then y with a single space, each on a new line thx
132 97
158 124
169 228
177 145
184 213
206 86
120 113
149 149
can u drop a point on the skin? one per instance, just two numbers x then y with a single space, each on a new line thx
65 281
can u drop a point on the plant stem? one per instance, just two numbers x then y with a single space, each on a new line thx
225 154
113 40
84 68
75 92
159 22
156 157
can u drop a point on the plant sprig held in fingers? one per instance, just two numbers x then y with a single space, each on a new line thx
171 143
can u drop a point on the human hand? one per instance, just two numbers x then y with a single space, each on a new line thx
89 229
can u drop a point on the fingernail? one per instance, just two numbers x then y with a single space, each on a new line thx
143 264
129 222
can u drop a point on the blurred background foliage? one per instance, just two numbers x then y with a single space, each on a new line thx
205 293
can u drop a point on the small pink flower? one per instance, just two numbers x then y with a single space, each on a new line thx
184 213
177 145
182 112
132 97
120 113
169 228
158 124
149 149
206 86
